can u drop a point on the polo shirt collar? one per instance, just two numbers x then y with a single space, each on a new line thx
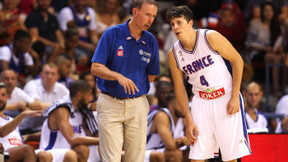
129 37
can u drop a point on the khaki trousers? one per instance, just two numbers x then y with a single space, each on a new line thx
122 123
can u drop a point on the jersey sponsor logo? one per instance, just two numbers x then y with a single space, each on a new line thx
120 51
15 141
211 93
198 65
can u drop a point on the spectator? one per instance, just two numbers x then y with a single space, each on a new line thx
46 90
260 40
84 17
18 100
43 26
281 106
107 14
162 124
9 132
27 6
282 126
65 118
232 25
19 56
64 64
254 118
79 58
10 21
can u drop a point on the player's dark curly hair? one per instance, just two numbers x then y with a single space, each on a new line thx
179 11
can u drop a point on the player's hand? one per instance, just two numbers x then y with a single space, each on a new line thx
233 105
191 130
32 113
128 85
185 141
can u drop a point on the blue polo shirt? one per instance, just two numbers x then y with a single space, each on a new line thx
120 52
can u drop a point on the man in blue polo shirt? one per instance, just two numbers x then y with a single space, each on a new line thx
125 61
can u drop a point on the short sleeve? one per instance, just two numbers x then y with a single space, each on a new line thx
103 49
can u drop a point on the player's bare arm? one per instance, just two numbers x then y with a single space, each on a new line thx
103 72
225 49
161 122
182 98
151 78
9 127
62 124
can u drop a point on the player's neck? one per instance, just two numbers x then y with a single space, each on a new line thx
188 42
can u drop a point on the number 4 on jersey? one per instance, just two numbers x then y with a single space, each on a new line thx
203 81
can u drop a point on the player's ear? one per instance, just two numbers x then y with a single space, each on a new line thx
190 23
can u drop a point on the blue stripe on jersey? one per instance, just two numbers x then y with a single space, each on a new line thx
176 58
244 123
228 65
52 139
195 45
208 44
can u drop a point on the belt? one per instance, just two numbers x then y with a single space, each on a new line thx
120 98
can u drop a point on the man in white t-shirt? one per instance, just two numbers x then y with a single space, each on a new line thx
18 100
19 56
46 90
85 19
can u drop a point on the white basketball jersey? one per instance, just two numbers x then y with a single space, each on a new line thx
206 69
154 140
54 139
12 139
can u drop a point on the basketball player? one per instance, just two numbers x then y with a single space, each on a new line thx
163 124
64 128
216 119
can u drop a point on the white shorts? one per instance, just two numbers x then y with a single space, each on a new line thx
217 130
57 154
94 154
148 152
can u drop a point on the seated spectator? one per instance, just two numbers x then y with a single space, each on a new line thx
79 58
10 21
281 106
84 17
43 26
47 90
282 126
255 119
64 64
19 56
162 123
18 100
232 25
9 132
107 14
64 121
260 40
27 6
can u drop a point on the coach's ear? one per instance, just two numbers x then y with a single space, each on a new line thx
135 11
